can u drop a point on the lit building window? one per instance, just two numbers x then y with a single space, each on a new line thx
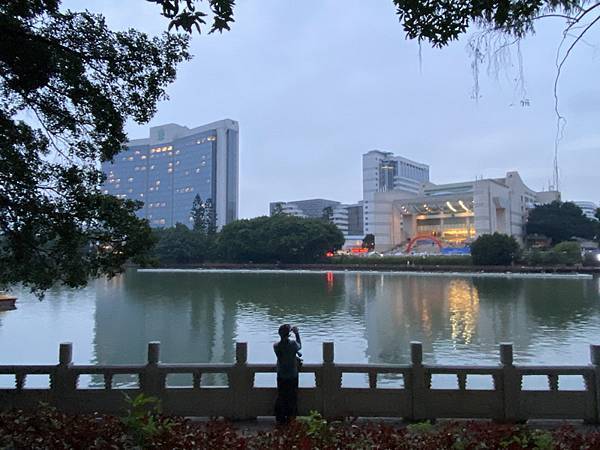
187 172
137 152
211 138
130 179
143 156
203 163
157 182
163 204
105 191
130 190
152 167
152 189
170 170
198 170
142 194
143 168
130 158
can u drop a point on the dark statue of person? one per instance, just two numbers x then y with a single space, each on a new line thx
287 352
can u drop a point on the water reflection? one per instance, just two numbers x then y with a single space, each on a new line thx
371 317
463 305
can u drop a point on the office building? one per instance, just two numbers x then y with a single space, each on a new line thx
174 164
589 209
386 172
348 218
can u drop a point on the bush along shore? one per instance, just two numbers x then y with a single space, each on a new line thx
145 428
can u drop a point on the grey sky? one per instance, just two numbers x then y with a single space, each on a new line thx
316 84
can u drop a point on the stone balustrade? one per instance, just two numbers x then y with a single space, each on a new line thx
505 399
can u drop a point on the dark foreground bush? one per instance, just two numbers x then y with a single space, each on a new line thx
494 250
47 429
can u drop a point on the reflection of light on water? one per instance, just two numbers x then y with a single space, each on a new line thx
463 303
329 281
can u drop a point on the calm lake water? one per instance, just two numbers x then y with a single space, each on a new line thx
372 317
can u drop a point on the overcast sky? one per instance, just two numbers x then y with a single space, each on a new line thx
315 84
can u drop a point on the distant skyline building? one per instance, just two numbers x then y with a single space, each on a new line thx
589 209
348 218
174 164
454 214
386 172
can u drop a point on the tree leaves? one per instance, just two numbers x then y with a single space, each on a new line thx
76 82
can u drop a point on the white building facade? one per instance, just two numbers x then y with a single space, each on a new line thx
589 209
385 172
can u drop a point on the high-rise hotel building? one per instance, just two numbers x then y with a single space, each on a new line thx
174 164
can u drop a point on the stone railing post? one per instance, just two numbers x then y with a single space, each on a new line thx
329 383
511 385
419 383
152 379
241 383
63 382
595 359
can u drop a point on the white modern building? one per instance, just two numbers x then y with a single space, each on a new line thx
174 164
386 172
399 213
589 209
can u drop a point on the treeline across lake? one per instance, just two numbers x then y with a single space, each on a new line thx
279 238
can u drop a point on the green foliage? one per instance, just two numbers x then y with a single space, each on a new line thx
278 238
494 250
143 420
79 82
421 427
565 253
203 215
183 14
369 241
180 245
561 222
440 22
316 426
328 214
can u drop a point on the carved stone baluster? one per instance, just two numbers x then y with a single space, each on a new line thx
197 379
373 379
20 378
428 380
553 382
462 381
108 381
497 379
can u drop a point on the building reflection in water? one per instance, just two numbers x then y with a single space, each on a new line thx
371 317
463 305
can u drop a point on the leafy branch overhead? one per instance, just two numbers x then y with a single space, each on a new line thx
184 15
68 84
442 21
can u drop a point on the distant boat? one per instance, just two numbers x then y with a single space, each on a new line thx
7 301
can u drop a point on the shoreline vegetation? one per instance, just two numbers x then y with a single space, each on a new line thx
385 266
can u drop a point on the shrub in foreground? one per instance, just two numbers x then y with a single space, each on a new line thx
494 250
47 428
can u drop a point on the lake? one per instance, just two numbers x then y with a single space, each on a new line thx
199 315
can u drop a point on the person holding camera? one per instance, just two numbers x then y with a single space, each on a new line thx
287 352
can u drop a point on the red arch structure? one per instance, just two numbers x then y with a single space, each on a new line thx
426 237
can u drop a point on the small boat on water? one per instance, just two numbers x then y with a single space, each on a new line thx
7 301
